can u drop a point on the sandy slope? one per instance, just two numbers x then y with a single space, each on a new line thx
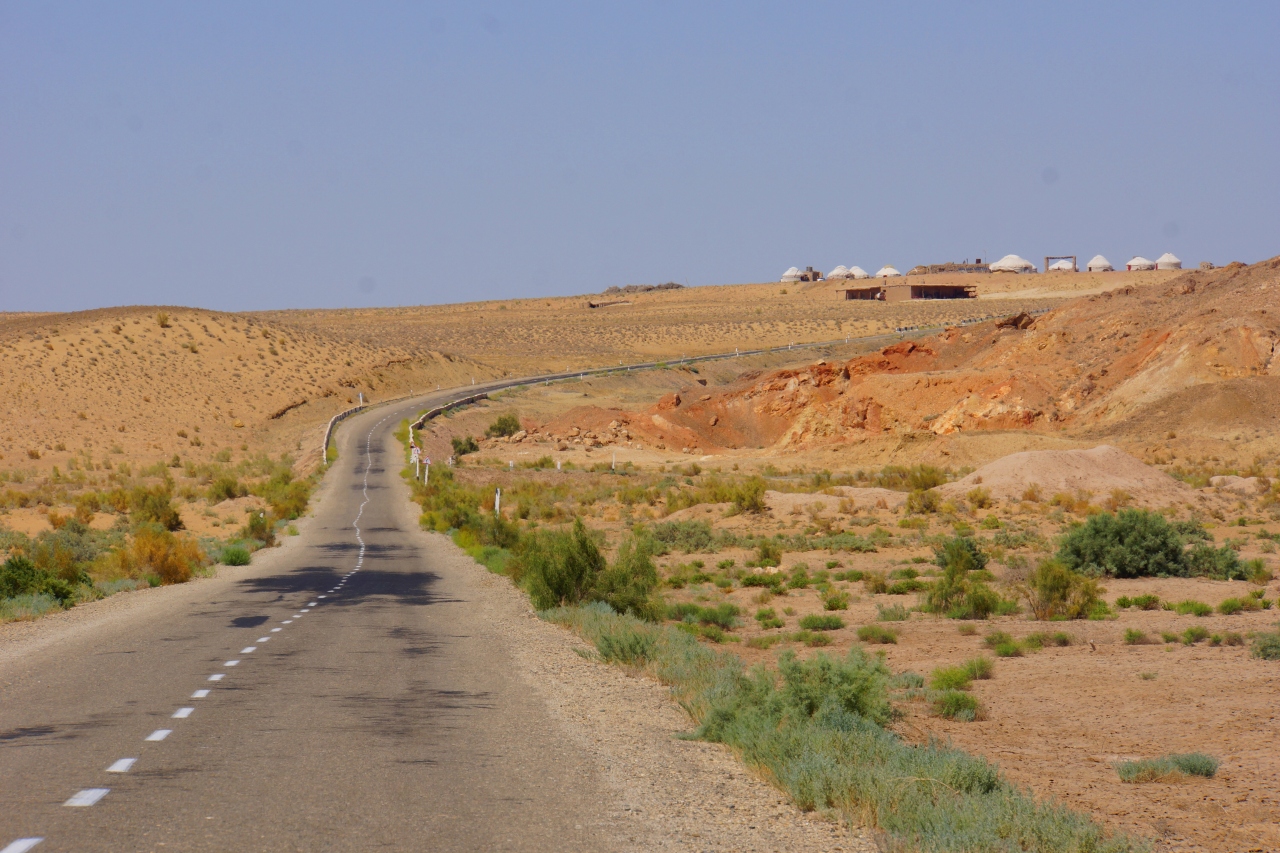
114 385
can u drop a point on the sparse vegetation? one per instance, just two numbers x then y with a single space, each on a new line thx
821 622
504 427
1054 591
816 727
1170 768
877 634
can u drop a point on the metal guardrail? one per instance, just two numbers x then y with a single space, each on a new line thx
490 387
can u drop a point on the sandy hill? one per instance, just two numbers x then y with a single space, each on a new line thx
1193 359
1098 471
144 384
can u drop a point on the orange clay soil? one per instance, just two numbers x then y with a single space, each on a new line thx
1186 367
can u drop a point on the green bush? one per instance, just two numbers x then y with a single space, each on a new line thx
235 555
950 678
1203 560
877 634
20 577
955 594
1266 646
835 600
1194 634
225 487
922 501
154 506
631 647
892 613
1142 602
723 615
688 536
629 585
1134 543
957 705
768 618
1258 571
768 554
1190 607
287 496
505 426
260 527
1135 637
462 445
774 581
22 608
1053 591
821 622
960 550
559 568
799 577
1168 768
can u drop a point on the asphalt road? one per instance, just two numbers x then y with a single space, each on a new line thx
337 695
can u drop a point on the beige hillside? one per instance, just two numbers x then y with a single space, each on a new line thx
144 385
1101 470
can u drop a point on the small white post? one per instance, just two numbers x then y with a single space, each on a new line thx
614 466
426 473
557 464
497 500
362 398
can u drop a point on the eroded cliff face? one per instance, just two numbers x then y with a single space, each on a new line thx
1094 362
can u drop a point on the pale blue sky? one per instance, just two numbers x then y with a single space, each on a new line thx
270 155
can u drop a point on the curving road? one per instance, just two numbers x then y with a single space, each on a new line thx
339 694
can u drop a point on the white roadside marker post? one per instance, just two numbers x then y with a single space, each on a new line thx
497 501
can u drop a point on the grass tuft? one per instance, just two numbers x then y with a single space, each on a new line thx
877 634
821 622
1170 768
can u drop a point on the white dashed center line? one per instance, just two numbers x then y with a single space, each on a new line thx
231 663
22 845
124 765
217 676
87 797
276 630
183 713
285 622
200 694
263 639
248 650
159 734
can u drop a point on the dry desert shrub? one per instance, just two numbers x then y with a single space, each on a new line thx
153 551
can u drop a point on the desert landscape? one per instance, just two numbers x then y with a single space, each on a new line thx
795 500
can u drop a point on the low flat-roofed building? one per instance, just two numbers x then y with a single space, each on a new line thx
904 292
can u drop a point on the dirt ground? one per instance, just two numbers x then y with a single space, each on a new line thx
1056 719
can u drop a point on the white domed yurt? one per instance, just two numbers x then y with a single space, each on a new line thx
858 272
839 272
1139 263
792 274
1168 262
887 271
1013 263
1099 264
1064 265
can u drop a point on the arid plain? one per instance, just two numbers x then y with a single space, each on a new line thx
1157 391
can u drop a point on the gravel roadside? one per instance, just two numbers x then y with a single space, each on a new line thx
674 794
